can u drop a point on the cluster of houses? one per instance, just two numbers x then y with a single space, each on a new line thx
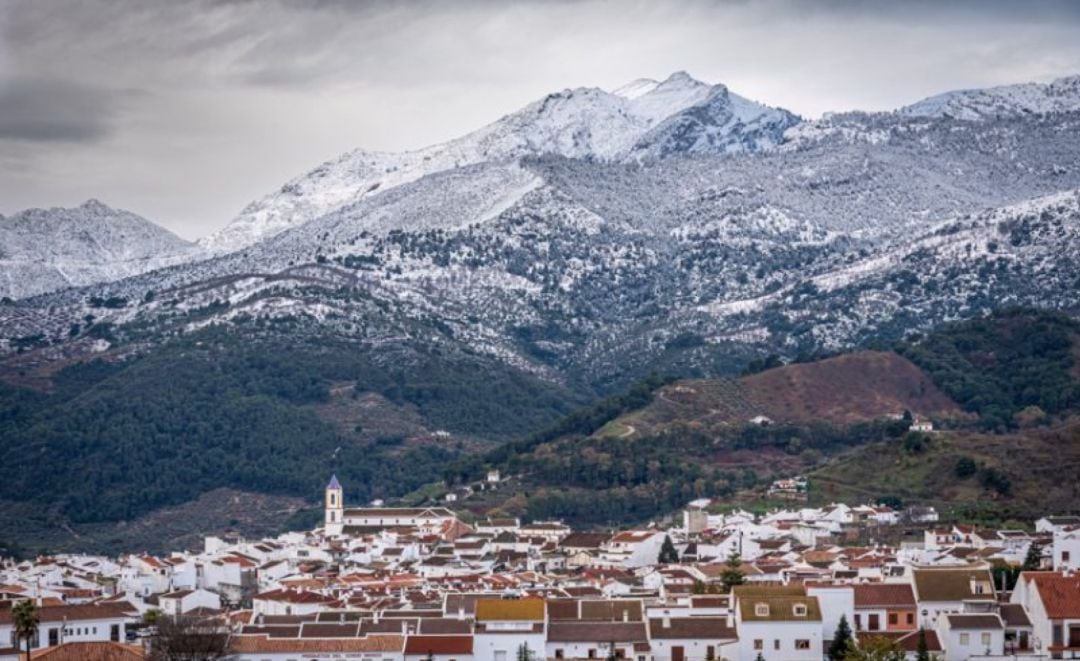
405 584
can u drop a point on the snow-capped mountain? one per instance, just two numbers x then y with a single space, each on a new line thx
595 235
46 249
1061 95
645 119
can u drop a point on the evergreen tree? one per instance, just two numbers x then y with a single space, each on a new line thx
524 653
841 640
733 574
923 650
1033 559
668 554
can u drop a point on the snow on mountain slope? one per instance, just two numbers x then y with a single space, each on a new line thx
636 88
579 123
721 123
1062 95
46 249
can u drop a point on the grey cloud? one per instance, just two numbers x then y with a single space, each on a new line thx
54 110
243 94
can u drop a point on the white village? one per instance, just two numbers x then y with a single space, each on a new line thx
412 584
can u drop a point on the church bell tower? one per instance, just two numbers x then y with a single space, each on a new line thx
335 508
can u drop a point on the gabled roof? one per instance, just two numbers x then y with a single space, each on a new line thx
507 610
1060 594
439 645
1014 615
974 621
691 628
780 609
889 595
263 644
78 613
89 651
587 632
952 584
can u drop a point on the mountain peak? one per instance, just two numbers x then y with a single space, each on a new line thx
96 205
681 78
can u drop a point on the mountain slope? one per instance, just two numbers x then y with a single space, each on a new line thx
46 249
837 419
1061 95
579 123
259 409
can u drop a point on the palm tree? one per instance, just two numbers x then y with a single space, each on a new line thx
26 622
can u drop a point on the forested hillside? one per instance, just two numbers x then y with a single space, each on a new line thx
113 441
836 418
1014 361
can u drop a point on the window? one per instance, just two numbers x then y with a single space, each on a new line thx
858 621
799 610
758 643
911 618
894 619
500 655
559 653
592 654
965 639
802 644
776 643
761 610
1065 556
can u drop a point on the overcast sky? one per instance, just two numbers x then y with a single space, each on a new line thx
184 111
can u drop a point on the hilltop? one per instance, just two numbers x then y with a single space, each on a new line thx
840 390
842 420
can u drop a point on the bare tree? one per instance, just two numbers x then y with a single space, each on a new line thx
186 638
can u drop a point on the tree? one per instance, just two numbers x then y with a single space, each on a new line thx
923 649
26 620
759 657
524 653
733 574
876 648
1033 559
189 639
668 554
841 640
965 467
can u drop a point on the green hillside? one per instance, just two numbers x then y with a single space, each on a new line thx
114 441
838 419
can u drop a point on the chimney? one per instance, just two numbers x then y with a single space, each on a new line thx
461 612
666 622
404 627
625 616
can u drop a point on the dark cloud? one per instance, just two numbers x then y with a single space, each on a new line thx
54 110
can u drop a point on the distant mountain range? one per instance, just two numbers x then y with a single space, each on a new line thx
43 250
485 286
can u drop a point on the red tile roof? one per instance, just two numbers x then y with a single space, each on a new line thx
1060 594
439 645
888 595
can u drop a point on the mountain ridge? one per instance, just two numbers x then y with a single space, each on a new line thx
45 249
